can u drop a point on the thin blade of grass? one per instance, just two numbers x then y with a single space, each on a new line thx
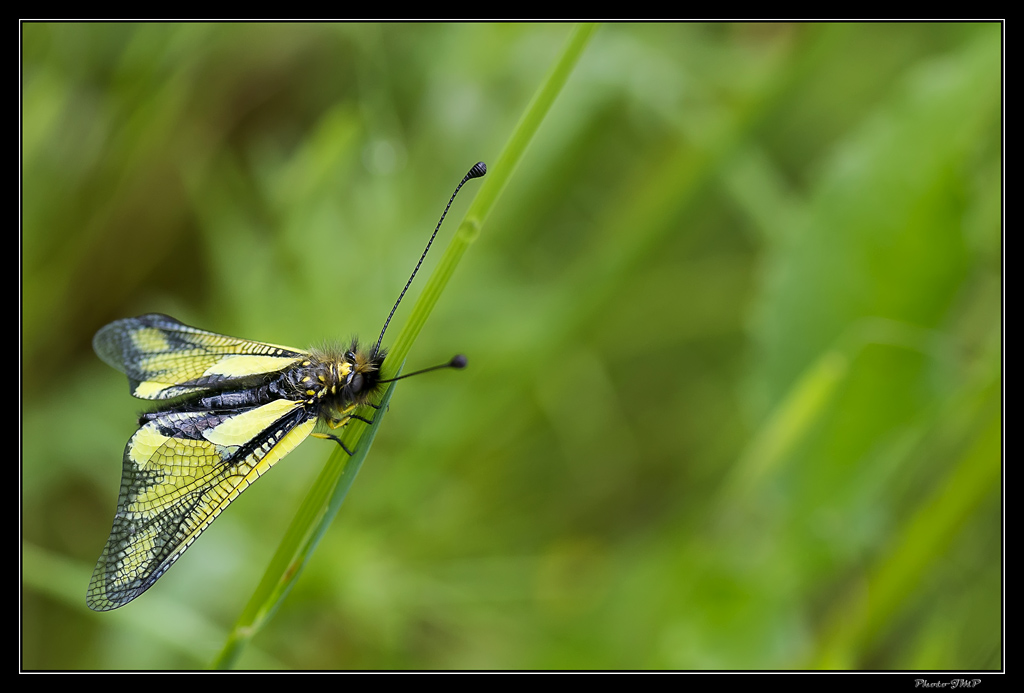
311 521
330 488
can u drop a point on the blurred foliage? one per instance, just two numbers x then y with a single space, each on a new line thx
734 332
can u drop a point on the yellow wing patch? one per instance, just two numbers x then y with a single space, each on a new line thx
181 469
164 358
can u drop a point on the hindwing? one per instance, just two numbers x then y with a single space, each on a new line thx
181 469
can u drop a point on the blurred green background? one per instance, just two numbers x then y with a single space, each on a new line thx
734 334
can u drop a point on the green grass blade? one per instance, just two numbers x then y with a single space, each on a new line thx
498 175
328 492
919 548
314 516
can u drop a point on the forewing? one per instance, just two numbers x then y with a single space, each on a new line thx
181 469
164 358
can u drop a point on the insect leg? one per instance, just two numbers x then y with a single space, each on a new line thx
338 423
336 439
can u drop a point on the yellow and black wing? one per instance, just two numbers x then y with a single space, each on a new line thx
186 463
181 469
164 358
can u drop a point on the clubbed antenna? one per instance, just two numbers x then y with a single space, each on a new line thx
478 170
457 362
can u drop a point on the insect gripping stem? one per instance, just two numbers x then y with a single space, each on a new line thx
226 411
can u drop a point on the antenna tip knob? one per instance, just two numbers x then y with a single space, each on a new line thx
478 170
458 361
